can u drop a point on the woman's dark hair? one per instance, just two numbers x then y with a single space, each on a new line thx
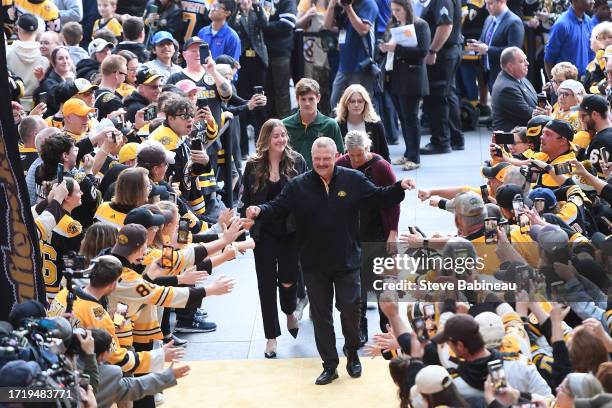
449 396
398 368
51 154
102 341
98 237
260 159
407 6
128 55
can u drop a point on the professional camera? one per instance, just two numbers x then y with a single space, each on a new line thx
370 66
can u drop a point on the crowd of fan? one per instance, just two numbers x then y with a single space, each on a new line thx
121 147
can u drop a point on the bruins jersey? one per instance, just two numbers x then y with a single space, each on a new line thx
90 313
125 90
55 242
45 10
143 298
195 16
108 215
27 155
112 24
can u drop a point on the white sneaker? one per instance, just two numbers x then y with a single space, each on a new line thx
299 308
159 399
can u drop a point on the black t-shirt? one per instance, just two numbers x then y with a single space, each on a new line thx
444 12
601 140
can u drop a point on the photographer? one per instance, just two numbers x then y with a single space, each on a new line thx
90 310
114 387
355 22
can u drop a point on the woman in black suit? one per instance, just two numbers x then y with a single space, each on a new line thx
355 111
408 78
276 256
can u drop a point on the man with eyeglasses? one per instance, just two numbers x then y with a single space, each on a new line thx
149 88
114 72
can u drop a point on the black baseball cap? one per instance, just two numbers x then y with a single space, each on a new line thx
146 75
192 40
129 238
562 128
506 193
460 327
594 103
145 217
28 22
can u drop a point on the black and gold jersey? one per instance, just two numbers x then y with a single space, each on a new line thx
107 213
111 24
46 10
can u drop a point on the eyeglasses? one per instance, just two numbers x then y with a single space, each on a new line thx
158 86
185 116
565 94
122 73
217 7
132 69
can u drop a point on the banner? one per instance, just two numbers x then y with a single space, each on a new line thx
20 262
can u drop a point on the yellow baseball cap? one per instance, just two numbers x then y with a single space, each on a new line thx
77 107
128 152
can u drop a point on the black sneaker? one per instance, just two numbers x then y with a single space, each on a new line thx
196 326
178 342
433 149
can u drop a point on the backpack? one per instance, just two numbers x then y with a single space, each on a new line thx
469 116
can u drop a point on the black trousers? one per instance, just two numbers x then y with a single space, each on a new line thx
256 77
149 400
437 103
347 287
277 87
276 262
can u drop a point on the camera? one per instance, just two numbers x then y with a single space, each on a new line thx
498 375
542 101
124 127
504 137
150 113
258 90
370 66
74 262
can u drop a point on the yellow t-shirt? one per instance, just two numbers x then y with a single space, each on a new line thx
112 24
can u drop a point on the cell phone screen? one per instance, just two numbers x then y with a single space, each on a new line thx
204 53
59 173
183 232
490 230
167 256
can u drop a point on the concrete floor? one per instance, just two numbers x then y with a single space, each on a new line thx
240 332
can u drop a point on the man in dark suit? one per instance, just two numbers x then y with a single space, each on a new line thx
502 29
513 96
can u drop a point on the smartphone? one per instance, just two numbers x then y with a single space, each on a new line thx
258 90
42 97
59 173
542 101
518 205
419 329
504 137
539 204
523 276
490 225
204 53
506 226
554 291
604 155
172 197
183 232
167 256
562 168
84 381
202 103
196 143
498 375
150 113
484 192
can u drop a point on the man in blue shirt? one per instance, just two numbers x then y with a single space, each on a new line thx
354 20
569 38
221 38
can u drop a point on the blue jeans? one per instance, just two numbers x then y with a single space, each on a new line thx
466 80
388 114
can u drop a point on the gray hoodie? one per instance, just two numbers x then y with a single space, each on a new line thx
22 57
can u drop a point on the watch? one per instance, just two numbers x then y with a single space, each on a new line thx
432 51
425 243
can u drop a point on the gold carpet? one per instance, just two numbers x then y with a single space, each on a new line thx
285 383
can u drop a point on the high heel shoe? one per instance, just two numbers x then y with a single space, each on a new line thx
293 324
270 351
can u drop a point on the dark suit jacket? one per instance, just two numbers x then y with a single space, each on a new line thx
250 30
509 32
409 75
513 102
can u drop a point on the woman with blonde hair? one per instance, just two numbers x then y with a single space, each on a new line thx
355 111
276 254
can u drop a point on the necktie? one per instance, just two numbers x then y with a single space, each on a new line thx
488 38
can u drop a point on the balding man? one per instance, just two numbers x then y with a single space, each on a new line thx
28 129
513 96
325 202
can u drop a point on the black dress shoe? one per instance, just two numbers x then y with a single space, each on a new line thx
353 365
458 147
433 149
327 376
178 342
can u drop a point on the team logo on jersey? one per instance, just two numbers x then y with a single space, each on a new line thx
444 11
341 193
107 97
209 80
74 228
576 199
98 312
122 239
165 140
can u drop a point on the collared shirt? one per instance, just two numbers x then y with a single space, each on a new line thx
569 40
225 41
496 21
